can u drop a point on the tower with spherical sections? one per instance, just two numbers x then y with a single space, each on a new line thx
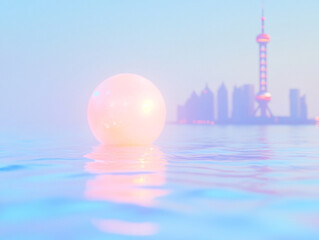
263 96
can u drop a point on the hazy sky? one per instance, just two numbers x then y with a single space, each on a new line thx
54 53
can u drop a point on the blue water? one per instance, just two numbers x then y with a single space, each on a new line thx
195 182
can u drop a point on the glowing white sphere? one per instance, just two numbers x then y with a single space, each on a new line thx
126 109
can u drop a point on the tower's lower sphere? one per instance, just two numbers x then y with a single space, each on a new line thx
126 109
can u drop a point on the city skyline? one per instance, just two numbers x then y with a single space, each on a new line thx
263 96
243 109
54 54
240 108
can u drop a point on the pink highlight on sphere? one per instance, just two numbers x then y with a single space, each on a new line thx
126 109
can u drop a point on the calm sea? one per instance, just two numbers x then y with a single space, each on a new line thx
196 182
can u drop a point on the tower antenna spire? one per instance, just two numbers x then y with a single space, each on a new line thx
263 96
262 16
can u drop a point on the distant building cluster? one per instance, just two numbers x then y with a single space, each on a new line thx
201 109
198 109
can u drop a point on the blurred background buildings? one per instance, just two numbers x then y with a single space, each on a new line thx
201 109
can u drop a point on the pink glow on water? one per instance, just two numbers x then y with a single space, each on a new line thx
183 121
126 228
204 122
126 109
126 175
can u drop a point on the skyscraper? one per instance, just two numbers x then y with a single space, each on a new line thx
206 108
303 108
248 101
263 96
236 104
222 104
294 103
243 103
191 108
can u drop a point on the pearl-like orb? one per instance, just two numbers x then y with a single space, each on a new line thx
126 109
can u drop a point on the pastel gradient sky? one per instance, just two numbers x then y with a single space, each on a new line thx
54 53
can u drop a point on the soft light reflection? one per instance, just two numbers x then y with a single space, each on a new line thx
126 175
126 228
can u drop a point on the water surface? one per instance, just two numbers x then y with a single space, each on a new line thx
195 182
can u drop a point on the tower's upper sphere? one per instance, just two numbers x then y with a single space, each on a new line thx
126 109
263 38
263 97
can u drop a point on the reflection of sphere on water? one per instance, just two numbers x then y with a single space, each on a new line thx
133 175
126 175
126 109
